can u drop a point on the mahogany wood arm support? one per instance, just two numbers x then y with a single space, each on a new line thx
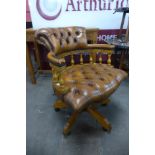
105 48
100 46
54 60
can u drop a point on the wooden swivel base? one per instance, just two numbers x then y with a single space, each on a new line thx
91 110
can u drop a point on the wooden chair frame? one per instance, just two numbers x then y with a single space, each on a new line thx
59 104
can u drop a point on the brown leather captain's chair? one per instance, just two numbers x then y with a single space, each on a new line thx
79 86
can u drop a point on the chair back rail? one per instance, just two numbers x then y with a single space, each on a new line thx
92 55
70 41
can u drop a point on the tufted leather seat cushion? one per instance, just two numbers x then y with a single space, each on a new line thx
90 83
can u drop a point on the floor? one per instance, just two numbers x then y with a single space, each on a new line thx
44 125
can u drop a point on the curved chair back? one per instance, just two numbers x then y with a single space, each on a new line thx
60 40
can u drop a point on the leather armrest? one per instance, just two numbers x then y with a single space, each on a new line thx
100 46
56 61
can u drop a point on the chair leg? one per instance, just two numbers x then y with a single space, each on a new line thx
59 104
105 102
70 122
101 119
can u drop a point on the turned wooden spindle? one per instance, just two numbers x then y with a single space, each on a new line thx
91 58
109 59
72 59
100 58
81 58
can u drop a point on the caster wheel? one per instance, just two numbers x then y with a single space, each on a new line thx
107 130
66 135
57 109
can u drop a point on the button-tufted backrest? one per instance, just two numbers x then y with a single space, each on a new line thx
60 40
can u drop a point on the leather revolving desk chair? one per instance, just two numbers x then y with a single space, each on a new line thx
79 86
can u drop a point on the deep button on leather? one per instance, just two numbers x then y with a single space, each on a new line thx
90 84
67 40
86 78
102 79
77 33
105 69
109 74
61 34
76 92
69 33
75 40
55 35
83 72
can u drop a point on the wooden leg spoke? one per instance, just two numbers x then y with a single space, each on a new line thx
101 119
70 123
105 102
59 105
